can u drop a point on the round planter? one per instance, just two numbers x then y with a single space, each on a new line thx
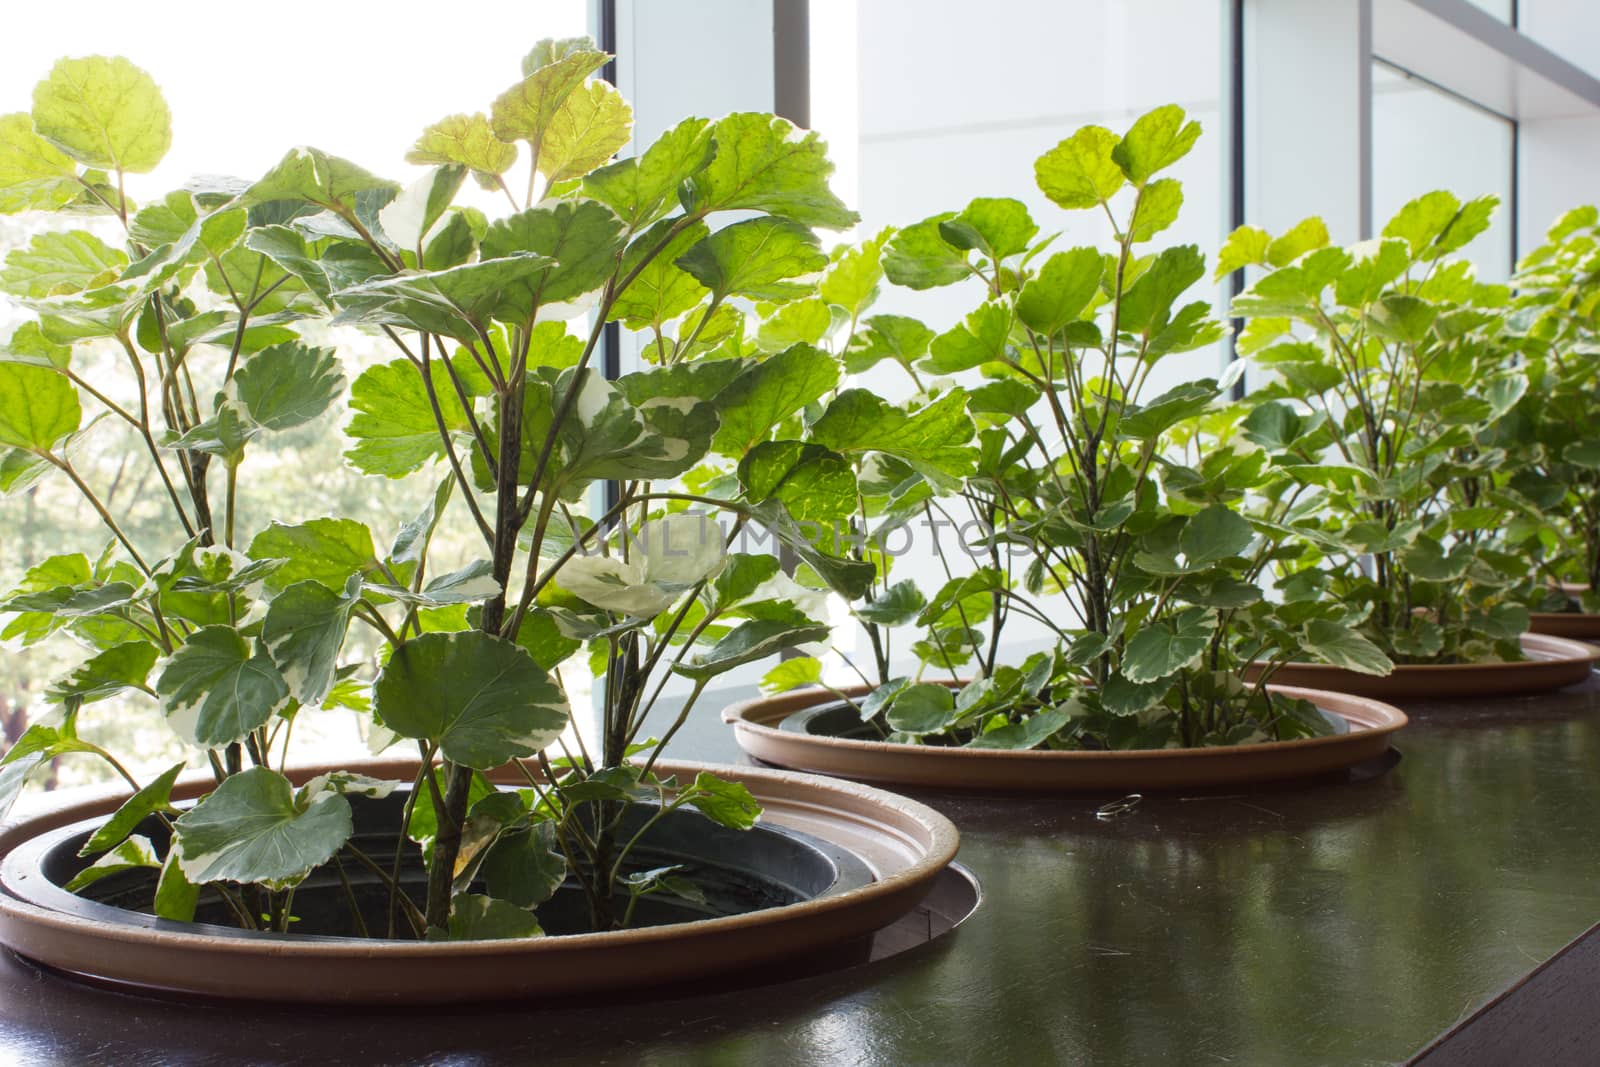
1552 663
759 726
860 860
1576 625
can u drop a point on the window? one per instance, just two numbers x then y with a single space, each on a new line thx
1425 139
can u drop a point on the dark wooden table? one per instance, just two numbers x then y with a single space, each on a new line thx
1442 907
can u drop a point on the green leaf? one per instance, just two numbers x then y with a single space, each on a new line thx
20 471
312 175
1427 560
754 403
176 896
214 690
411 216
725 803
465 140
582 238
981 338
550 50
1365 280
288 385
1159 204
618 436
224 434
898 605
38 745
1167 646
251 829
935 439
117 669
157 796
1081 172
757 258
474 917
955 597
1023 735
467 585
586 131
38 407
1155 141
34 174
525 868
924 708
1123 697
813 483
1307 235
322 267
643 188
663 880
325 550
28 344
1421 221
751 640
1343 647
303 631
525 111
792 674
105 112
996 226
1213 534
61 263
482 700
898 337
799 322
919 257
852 281
1273 425
762 163
393 426
1147 303
660 290
135 852
1245 247
1061 290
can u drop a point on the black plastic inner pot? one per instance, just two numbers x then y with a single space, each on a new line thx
739 871
842 720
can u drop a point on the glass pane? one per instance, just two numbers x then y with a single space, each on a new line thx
1424 139
922 129
1571 30
1500 9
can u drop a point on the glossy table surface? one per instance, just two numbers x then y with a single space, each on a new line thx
1343 922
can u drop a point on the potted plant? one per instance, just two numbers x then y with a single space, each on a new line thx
1388 364
417 874
1554 466
1092 499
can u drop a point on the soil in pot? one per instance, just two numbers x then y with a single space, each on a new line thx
843 720
737 872
812 730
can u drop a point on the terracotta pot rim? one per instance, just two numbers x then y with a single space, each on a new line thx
1385 718
938 849
1559 651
